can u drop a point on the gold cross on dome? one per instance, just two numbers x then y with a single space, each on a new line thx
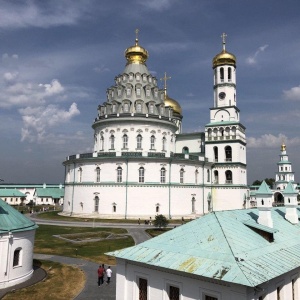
136 36
223 36
165 78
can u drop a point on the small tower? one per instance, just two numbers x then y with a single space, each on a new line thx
284 172
225 138
290 202
264 205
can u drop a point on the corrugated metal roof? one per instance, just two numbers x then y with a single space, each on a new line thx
223 246
12 220
50 192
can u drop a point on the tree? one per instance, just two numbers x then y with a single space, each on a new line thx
257 182
160 221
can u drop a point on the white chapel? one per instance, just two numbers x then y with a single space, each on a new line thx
143 164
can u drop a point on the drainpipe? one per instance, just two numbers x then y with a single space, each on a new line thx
203 186
73 190
10 241
170 188
126 185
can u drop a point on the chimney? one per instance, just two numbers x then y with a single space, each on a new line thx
264 205
290 202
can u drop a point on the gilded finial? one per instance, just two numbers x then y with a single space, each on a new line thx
223 36
165 78
283 146
136 37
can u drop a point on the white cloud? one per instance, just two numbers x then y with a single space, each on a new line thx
53 88
10 77
22 14
292 94
159 5
271 141
38 120
252 60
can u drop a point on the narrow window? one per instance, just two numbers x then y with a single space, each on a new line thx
97 174
143 286
222 74
181 175
16 261
162 175
126 107
119 174
216 175
162 110
112 142
148 93
174 293
128 92
139 108
196 176
96 204
139 142
141 174
164 140
193 204
278 290
157 209
114 108
138 91
152 142
216 155
114 208
80 175
151 109
125 141
228 153
229 74
208 175
102 143
228 175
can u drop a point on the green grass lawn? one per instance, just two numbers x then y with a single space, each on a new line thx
157 231
46 243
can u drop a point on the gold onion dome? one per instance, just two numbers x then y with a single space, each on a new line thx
283 147
224 57
136 54
173 103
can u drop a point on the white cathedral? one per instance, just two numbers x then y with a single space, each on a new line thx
143 165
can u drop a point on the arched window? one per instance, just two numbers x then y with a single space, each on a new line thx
139 142
228 153
228 175
185 150
208 175
151 109
164 140
216 154
96 207
80 174
157 208
125 141
126 107
141 174
114 207
181 175
102 142
139 108
97 174
119 174
17 257
152 142
112 142
216 175
193 204
162 175
229 74
114 108
222 74
196 176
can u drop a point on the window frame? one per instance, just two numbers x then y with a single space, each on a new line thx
163 175
119 174
17 257
141 175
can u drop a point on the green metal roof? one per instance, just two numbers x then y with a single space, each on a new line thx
222 245
290 189
50 192
12 220
264 189
11 193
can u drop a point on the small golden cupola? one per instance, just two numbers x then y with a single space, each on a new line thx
136 54
169 101
224 57
283 147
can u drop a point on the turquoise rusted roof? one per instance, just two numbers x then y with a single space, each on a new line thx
290 189
226 246
13 221
11 193
50 192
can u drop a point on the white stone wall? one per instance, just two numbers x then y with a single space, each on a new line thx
10 275
196 287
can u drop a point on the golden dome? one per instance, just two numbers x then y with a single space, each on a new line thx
224 58
136 54
173 103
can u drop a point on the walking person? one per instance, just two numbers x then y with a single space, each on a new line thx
108 274
100 275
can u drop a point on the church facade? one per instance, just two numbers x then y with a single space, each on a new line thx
143 164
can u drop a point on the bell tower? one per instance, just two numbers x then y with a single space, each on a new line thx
225 139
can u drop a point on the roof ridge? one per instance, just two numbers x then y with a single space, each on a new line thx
237 263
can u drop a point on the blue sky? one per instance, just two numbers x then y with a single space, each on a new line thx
57 58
